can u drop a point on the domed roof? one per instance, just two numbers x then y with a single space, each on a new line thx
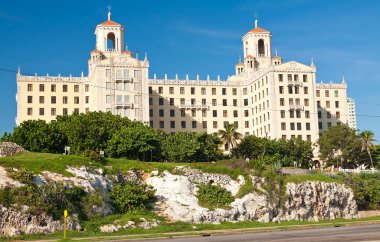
110 23
239 64
256 29
249 57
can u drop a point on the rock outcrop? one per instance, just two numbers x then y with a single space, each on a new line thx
305 201
314 201
143 223
9 148
15 222
6 181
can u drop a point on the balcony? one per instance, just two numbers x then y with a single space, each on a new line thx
295 83
123 79
124 105
194 106
296 107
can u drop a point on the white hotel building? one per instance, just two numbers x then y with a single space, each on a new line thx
265 97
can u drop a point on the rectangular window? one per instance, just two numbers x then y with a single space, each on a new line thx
327 104
306 102
76 100
214 113
246 113
282 102
160 101
244 91
299 126
289 77
30 87
290 89
76 110
108 73
30 111
318 93
204 124
30 99
328 115
64 111
234 91
171 101
150 112
194 124
327 93
42 111
281 89
162 124
224 91
64 88
53 99
328 124
292 126
337 114
283 126
295 77
192 91
171 90
307 126
291 114
183 124
304 78
296 90
76 88
193 113
204 103
108 99
203 91
204 113
337 104
234 102
86 88
172 113
160 90
282 113
183 113
53 88
181 90
224 102
246 102
336 93
87 99
150 90
215 124
64 100
213 90
42 87
306 90
235 113
161 113
319 114
225 114
280 78
320 125
42 99
53 112
307 114
318 104
298 114
150 101
172 124
214 103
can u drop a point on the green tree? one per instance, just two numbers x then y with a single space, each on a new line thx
341 143
229 136
133 142
367 138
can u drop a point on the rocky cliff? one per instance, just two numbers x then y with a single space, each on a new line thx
177 201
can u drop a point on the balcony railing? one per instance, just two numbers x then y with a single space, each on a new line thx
194 106
296 107
294 83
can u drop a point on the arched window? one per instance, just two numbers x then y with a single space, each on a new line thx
261 47
110 41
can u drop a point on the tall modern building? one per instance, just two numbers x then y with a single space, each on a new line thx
266 96
351 112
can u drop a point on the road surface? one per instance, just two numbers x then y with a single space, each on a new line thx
362 233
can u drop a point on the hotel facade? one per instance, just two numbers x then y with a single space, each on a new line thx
265 97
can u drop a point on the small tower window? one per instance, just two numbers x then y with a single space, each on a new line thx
110 41
261 48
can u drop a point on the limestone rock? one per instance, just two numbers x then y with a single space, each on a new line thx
15 222
130 224
6 181
9 148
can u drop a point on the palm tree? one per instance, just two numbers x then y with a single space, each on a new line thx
366 138
229 135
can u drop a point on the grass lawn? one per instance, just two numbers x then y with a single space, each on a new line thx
181 229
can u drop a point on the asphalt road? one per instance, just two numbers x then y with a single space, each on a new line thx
350 233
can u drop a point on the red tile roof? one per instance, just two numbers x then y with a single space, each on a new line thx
258 30
239 64
110 23
249 57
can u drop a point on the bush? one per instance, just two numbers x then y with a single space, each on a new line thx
132 196
213 196
21 175
6 197
94 155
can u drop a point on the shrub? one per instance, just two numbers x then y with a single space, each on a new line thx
132 196
94 155
21 175
213 196
6 197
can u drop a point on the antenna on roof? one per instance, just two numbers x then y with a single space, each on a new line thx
256 23
109 13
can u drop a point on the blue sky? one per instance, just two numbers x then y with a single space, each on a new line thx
196 37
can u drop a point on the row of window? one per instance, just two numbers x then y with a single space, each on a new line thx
292 77
328 115
327 93
53 111
194 124
192 90
194 101
53 99
53 88
329 125
295 101
328 104
308 137
291 90
295 126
